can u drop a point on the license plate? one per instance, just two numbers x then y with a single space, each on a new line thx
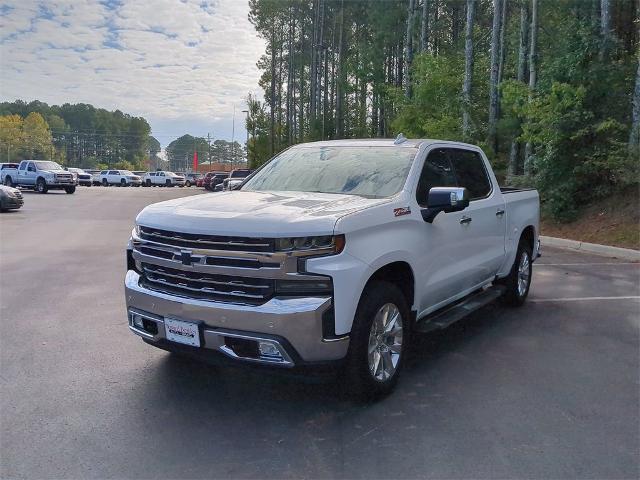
180 331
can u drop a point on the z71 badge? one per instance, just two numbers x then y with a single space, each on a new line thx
398 212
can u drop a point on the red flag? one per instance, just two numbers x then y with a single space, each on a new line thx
195 161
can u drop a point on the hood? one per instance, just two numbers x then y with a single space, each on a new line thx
4 188
245 213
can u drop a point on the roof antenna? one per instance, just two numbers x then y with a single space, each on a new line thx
399 139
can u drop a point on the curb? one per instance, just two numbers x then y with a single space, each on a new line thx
605 250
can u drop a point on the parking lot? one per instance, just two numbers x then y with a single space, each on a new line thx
546 391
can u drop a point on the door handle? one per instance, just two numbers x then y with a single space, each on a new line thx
465 220
500 213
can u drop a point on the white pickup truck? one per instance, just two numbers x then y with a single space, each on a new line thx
333 252
41 175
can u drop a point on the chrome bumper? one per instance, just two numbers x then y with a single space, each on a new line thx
293 323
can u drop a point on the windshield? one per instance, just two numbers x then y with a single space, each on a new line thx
169 174
239 173
375 172
48 166
126 172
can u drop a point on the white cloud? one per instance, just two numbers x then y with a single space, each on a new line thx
182 63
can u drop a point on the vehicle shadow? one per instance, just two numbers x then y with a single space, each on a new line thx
181 381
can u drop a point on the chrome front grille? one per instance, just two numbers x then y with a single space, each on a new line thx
207 286
212 267
213 242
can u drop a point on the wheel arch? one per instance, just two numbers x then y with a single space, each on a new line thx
400 274
529 236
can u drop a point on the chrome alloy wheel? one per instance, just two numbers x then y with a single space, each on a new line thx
523 274
385 342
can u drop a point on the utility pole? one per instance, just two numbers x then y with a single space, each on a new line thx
209 143
233 136
247 128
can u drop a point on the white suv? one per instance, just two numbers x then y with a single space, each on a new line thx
163 179
123 178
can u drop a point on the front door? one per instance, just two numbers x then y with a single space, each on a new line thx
442 269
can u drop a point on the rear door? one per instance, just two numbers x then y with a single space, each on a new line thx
22 173
485 219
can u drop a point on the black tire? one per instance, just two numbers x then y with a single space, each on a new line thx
187 183
41 185
516 293
148 183
70 190
123 182
361 381
8 182
105 183
168 183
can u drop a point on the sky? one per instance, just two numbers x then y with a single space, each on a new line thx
181 64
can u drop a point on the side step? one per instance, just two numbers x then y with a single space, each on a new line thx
451 314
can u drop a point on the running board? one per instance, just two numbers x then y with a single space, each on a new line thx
445 317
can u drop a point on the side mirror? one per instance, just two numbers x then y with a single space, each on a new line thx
445 199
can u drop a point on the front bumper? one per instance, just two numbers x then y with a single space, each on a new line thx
11 203
293 323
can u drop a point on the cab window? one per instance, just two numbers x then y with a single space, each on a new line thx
437 172
470 172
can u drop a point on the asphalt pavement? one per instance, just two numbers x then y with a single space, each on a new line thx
549 390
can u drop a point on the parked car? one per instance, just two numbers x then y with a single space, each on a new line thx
10 198
82 177
4 168
236 177
41 175
163 179
95 177
122 178
191 178
214 178
334 253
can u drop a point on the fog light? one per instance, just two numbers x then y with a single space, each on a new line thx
268 349
138 321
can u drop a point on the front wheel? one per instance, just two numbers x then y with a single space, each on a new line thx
105 183
70 190
41 186
123 182
378 341
518 281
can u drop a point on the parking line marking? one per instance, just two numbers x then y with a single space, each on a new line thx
579 299
578 264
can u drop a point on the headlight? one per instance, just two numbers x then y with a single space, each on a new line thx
324 244
136 230
10 193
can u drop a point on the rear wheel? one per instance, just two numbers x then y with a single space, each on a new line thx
148 183
41 185
519 279
8 182
70 190
378 341
105 183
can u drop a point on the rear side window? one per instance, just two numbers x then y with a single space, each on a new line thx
113 172
23 166
103 172
470 172
437 172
